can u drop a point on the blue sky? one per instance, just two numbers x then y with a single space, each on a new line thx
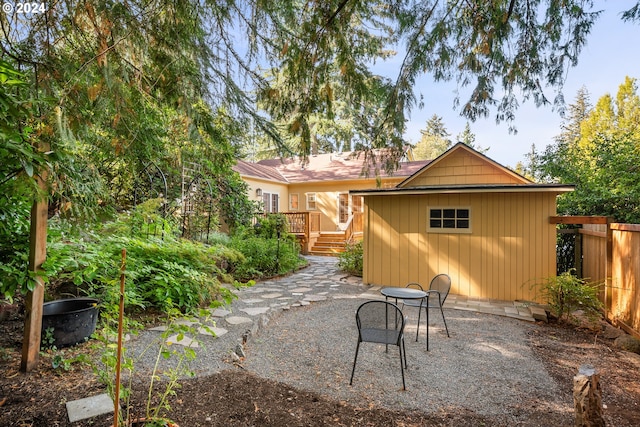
612 52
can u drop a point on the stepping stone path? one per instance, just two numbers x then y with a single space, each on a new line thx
221 338
320 281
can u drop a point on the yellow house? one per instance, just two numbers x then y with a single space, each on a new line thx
315 194
465 215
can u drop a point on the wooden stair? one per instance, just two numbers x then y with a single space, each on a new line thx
329 244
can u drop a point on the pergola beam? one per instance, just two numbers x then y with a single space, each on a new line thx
579 220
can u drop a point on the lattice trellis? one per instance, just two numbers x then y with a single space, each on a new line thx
151 183
197 203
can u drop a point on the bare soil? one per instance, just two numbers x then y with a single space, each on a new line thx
236 397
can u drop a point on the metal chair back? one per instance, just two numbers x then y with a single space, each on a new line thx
441 284
381 322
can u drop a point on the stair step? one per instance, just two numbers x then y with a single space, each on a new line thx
329 244
326 252
331 238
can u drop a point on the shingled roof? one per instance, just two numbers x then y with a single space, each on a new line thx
257 170
321 167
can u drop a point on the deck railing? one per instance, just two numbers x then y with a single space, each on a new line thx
306 226
303 222
354 227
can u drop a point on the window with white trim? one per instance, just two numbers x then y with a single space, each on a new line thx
449 220
311 202
270 201
293 201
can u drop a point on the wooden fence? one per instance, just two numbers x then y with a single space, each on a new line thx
592 243
611 254
624 299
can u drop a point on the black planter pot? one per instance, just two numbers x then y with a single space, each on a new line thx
73 320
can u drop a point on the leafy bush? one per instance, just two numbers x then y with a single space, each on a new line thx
567 293
269 227
14 244
265 255
350 260
162 272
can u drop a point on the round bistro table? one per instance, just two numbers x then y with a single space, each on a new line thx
406 293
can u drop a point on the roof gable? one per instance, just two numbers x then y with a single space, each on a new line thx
462 165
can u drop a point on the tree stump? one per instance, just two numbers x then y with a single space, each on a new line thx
587 398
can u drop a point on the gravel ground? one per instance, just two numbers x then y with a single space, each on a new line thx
486 366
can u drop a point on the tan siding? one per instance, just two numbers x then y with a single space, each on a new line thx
366 241
499 246
413 239
527 239
519 213
327 197
511 245
268 187
461 167
391 248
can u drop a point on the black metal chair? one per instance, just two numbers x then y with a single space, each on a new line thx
416 303
436 296
381 322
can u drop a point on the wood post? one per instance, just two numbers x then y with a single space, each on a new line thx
35 297
608 268
587 398
577 255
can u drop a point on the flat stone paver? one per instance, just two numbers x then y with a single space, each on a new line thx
254 311
186 341
237 320
213 331
89 407
271 296
220 312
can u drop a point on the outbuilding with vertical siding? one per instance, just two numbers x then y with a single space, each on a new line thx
468 216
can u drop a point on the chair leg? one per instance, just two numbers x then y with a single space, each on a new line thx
418 329
426 309
404 387
404 351
445 322
353 371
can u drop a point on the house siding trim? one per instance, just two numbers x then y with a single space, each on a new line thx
459 189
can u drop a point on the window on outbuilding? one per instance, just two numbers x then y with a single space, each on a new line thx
449 220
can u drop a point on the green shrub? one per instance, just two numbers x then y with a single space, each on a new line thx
14 244
265 255
350 260
567 293
163 272
269 226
